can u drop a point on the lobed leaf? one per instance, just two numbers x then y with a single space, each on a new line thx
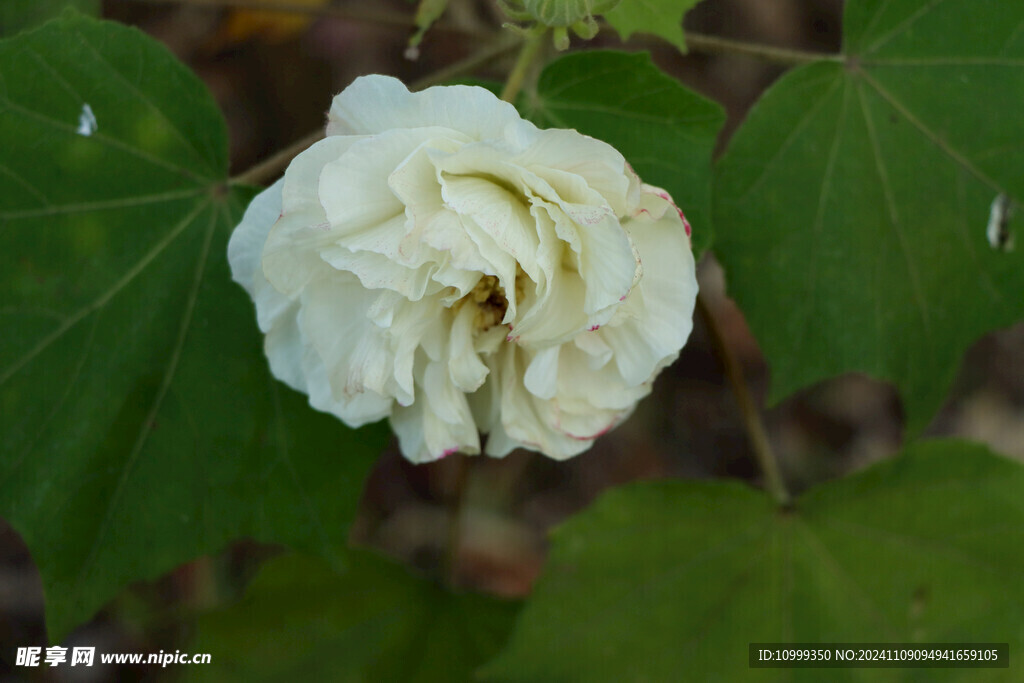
854 207
662 18
139 426
300 620
672 580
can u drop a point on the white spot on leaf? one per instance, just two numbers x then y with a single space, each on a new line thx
998 231
86 121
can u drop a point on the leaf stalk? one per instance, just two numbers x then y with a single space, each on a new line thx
752 421
524 64
699 42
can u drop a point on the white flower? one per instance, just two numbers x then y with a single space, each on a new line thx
442 262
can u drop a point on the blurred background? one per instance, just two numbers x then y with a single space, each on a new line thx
273 75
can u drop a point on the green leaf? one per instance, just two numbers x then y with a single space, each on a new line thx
666 131
670 580
373 622
663 18
852 207
17 15
139 426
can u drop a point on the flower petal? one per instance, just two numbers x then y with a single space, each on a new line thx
245 248
438 424
467 371
373 104
562 156
527 421
541 378
378 263
654 322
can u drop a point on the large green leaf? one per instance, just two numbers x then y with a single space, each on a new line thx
663 18
139 426
671 580
666 131
852 207
301 621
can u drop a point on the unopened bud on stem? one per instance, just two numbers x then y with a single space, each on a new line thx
560 15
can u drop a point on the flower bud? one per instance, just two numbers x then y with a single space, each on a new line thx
558 13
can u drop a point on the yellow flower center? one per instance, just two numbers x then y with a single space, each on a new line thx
491 304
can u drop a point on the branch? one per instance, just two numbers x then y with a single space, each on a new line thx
751 416
496 48
360 12
275 164
527 54
699 42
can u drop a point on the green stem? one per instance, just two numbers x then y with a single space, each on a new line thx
455 504
751 415
277 162
699 42
496 48
524 62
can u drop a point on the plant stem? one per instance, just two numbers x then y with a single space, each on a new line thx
524 62
352 12
468 64
751 415
277 162
455 504
699 42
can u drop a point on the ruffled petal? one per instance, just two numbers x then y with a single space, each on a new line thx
302 178
438 424
569 162
467 371
541 378
353 188
245 248
356 355
526 420
654 322
373 104
438 260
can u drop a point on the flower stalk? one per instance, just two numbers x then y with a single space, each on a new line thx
455 509
524 62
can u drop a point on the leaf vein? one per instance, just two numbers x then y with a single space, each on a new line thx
830 562
102 300
943 61
10 173
932 547
894 217
105 140
903 26
147 425
134 88
819 217
87 348
879 13
790 139
101 205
